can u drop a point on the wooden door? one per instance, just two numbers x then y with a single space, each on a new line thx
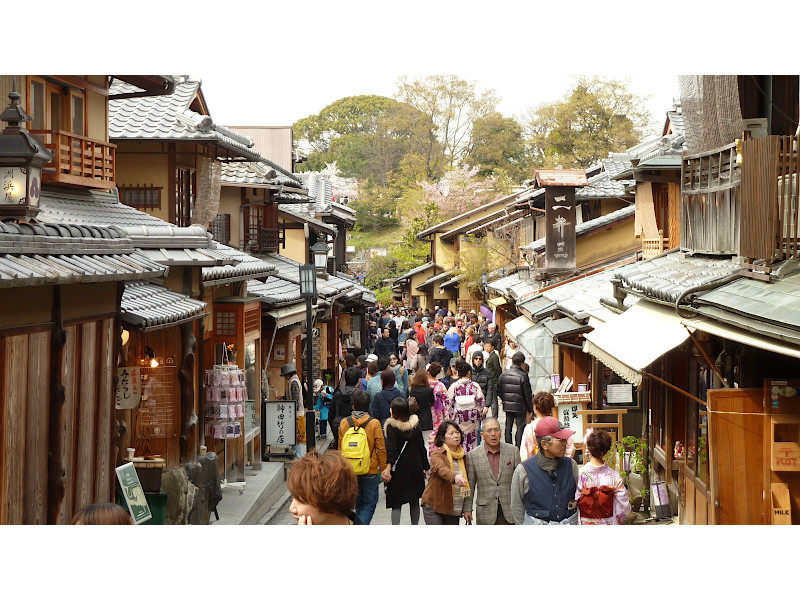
736 453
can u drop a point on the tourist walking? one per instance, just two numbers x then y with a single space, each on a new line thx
406 461
439 407
543 404
514 390
466 404
447 494
601 494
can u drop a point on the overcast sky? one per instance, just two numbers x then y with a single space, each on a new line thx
271 63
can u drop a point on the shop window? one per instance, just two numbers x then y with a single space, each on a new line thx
225 323
140 197
56 108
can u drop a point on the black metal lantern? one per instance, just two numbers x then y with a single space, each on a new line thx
524 273
21 160
320 252
308 281
484 279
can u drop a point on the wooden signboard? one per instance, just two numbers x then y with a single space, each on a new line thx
568 408
785 442
133 493
280 422
129 387
560 228
781 504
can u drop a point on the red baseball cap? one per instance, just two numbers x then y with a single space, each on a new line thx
550 426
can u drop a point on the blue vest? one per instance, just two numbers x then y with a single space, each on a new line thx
548 496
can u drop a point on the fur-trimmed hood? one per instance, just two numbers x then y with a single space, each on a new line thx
404 427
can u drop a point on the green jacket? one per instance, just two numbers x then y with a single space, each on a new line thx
493 364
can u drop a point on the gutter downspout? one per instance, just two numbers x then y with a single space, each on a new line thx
703 288
169 89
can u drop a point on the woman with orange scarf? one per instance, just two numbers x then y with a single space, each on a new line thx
447 494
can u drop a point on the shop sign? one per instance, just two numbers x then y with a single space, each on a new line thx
129 387
133 493
281 424
619 394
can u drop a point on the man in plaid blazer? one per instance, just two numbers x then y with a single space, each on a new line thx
490 468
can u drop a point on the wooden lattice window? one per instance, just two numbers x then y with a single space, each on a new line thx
252 318
185 189
144 197
226 323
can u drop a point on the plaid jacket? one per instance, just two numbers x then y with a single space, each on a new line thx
491 490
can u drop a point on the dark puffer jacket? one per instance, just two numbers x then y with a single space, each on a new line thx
514 389
483 377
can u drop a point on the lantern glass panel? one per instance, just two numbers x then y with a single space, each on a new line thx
13 183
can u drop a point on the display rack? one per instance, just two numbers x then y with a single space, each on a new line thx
226 394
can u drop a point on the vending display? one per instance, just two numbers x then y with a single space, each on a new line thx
226 394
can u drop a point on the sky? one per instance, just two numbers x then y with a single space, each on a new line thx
272 63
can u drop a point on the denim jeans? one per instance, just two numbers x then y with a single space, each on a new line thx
367 498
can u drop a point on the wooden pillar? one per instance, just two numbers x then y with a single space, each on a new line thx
56 481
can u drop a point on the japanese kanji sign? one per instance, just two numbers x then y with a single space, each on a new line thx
281 424
560 228
129 387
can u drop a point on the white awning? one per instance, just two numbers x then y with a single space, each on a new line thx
288 315
730 332
518 326
631 341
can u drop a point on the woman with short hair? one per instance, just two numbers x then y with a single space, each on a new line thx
543 404
323 489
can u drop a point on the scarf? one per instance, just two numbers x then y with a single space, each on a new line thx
459 456
548 465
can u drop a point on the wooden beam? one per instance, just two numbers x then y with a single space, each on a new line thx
56 481
711 365
676 388
82 84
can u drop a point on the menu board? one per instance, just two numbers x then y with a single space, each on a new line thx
619 394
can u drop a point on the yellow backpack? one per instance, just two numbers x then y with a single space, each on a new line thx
355 446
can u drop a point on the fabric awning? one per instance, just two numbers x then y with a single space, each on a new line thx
631 341
287 315
744 337
495 302
518 326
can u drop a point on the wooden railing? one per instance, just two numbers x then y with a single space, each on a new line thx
770 217
710 205
654 246
78 160
263 240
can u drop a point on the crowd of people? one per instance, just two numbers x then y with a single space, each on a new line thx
419 413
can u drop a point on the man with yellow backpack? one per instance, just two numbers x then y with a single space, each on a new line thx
361 443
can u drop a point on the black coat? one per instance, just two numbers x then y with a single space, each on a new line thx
441 355
514 389
385 347
483 377
381 404
424 396
408 478
341 407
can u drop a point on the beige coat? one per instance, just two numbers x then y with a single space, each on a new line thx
491 491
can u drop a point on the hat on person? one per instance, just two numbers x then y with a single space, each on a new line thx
288 369
372 358
550 426
317 385
472 312
459 324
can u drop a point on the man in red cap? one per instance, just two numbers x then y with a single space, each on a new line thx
543 486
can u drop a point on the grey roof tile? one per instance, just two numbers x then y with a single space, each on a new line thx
589 226
149 306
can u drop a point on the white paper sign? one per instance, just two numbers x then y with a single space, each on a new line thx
129 387
281 424
570 419
619 393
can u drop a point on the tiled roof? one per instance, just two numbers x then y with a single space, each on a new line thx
321 190
254 173
53 254
247 267
297 212
514 287
83 206
416 270
287 269
367 294
147 306
589 226
601 186
437 277
275 291
169 117
667 276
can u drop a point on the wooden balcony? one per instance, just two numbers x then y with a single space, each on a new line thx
654 246
263 240
770 217
710 203
78 160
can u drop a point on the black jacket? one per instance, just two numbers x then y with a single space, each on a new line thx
385 347
341 406
408 478
441 355
381 404
483 377
514 389
424 396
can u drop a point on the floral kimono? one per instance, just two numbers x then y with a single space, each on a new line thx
465 403
439 409
609 482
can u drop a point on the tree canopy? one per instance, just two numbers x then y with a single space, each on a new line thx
596 117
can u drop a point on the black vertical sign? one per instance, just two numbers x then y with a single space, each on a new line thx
560 228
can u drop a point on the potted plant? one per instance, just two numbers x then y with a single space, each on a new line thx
628 456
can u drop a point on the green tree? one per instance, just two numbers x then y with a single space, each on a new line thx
497 144
453 105
596 117
368 137
380 268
